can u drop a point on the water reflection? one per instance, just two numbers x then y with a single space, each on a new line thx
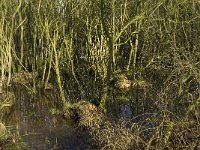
41 130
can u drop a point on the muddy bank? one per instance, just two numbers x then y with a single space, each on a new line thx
105 133
37 118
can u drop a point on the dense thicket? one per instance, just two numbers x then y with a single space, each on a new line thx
86 44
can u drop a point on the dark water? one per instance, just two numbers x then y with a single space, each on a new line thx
32 118
36 119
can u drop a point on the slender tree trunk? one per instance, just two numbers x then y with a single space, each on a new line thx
110 36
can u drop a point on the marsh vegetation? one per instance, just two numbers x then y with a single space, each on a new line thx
128 70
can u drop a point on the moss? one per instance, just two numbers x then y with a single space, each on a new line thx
84 113
9 141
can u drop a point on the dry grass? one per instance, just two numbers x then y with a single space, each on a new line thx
154 131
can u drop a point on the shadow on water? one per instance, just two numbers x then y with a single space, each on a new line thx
33 120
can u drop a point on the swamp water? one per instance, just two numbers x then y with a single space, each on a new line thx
33 119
